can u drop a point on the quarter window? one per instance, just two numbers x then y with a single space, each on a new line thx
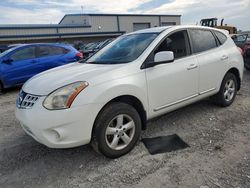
202 40
221 37
25 53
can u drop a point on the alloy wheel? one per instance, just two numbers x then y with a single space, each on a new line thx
229 90
120 132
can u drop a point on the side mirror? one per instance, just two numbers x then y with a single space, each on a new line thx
164 57
161 58
7 60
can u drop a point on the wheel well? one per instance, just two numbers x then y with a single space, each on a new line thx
235 71
136 103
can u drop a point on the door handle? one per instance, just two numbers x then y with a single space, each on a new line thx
224 57
192 66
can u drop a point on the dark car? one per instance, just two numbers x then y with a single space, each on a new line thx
243 42
93 47
21 62
246 54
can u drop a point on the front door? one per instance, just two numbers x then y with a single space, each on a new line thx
176 82
22 66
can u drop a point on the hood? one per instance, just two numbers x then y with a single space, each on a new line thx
48 81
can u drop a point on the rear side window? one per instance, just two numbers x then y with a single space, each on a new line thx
25 53
44 51
221 37
202 40
58 50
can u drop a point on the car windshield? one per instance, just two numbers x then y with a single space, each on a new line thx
123 50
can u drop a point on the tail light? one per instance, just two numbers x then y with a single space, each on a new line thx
79 55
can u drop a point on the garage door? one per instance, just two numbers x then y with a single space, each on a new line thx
168 23
139 26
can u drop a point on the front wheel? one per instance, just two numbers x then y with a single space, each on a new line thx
228 91
116 130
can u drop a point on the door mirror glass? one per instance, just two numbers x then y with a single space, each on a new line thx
164 57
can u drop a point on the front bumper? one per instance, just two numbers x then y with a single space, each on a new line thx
59 128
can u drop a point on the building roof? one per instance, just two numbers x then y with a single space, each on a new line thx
98 14
40 26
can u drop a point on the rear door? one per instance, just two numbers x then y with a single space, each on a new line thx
212 59
51 56
22 67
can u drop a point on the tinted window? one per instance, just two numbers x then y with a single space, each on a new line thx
58 50
25 53
202 40
44 51
125 49
221 37
177 43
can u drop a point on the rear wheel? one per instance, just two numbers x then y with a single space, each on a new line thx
116 130
228 91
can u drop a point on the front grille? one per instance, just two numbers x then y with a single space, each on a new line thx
26 100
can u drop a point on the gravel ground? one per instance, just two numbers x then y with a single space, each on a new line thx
218 156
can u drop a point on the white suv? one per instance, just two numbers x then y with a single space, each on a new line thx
107 100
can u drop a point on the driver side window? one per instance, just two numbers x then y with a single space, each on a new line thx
177 42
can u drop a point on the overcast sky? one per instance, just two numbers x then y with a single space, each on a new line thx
235 12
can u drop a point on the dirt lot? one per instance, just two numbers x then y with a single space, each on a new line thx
219 155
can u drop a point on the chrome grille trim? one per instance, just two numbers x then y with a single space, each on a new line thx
26 100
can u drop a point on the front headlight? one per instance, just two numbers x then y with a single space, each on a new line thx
63 97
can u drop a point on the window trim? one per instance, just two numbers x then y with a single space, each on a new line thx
143 66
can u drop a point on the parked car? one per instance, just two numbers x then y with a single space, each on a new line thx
243 42
239 39
21 62
107 100
89 49
92 48
246 54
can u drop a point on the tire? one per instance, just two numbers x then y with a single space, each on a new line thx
116 123
228 91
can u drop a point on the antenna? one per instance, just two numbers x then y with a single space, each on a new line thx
82 8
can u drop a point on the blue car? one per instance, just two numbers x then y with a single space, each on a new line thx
21 62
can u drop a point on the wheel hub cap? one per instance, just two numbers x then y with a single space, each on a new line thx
229 90
120 132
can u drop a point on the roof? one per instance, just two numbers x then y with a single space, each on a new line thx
98 14
153 30
161 29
